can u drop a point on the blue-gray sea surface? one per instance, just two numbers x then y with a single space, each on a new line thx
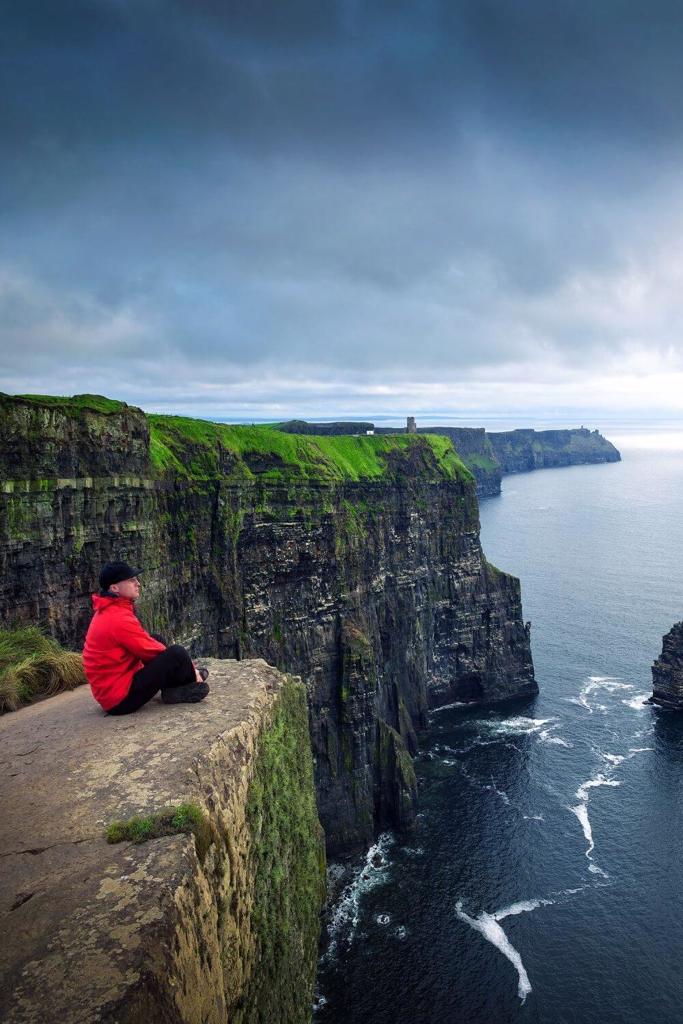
544 881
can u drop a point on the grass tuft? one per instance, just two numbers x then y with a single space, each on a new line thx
185 818
32 666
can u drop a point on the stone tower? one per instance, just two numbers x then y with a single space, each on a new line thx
411 427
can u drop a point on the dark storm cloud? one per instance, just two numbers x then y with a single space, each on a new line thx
379 192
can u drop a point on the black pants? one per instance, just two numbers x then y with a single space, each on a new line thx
172 667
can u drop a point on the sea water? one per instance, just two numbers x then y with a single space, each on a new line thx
544 879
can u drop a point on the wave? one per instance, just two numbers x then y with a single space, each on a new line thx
615 760
345 917
519 725
581 812
545 736
447 707
601 780
487 925
521 907
611 684
639 702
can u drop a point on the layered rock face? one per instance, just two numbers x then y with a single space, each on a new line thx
667 671
474 448
367 578
220 924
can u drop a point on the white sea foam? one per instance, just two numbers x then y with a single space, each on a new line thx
447 707
521 907
383 919
546 737
614 759
637 703
581 812
595 684
487 925
499 792
601 780
533 817
401 932
345 917
519 725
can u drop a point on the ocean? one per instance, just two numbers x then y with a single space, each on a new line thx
544 879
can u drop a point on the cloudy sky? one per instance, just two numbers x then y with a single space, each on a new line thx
277 207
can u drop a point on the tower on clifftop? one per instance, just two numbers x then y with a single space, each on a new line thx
411 427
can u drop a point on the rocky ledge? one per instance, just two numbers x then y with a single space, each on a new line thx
212 924
667 671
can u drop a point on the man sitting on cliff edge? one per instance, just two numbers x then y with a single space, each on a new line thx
125 666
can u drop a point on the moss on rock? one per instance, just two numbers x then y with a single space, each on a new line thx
170 821
288 864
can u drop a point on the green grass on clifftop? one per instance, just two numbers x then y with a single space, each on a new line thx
198 448
32 666
75 403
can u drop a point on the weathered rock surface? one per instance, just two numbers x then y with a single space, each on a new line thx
163 931
667 671
375 590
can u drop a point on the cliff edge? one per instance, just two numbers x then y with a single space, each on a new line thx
217 924
667 671
354 562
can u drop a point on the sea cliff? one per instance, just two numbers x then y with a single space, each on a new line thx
491 456
353 562
519 451
667 671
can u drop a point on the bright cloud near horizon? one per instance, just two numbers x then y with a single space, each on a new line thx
453 208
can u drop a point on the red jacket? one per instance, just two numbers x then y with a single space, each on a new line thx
116 647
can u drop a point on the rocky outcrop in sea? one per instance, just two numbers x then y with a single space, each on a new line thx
667 671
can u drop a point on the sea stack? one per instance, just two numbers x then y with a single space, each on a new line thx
667 671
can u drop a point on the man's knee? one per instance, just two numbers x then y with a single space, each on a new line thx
179 653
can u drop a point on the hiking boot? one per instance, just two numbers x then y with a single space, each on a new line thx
204 672
191 693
